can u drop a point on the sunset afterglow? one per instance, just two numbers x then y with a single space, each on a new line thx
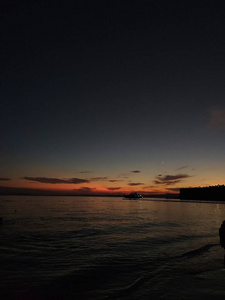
109 98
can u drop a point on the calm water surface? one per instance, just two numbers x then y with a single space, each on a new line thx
109 248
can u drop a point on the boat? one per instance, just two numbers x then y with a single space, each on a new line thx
133 196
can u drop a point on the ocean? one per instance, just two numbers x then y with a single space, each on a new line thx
110 248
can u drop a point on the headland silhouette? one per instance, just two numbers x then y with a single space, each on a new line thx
214 193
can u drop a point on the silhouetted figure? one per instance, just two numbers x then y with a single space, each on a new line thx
222 237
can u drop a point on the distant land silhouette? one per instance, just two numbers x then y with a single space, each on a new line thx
15 191
215 193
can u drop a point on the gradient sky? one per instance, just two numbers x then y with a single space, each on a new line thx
112 96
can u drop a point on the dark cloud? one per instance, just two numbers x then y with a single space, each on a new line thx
136 171
85 190
4 179
115 180
183 167
99 178
173 189
114 188
85 172
135 183
56 180
170 179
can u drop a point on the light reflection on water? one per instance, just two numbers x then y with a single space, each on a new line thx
95 240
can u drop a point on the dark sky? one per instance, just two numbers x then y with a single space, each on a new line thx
108 87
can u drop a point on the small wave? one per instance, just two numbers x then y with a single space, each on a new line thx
128 288
198 251
150 276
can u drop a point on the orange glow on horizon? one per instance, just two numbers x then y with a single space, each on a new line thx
97 187
85 189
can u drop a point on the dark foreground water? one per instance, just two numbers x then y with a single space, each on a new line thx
109 248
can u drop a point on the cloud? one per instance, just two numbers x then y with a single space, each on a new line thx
136 171
173 189
4 179
85 172
149 187
56 180
135 183
115 180
99 178
85 189
170 179
181 168
114 188
216 118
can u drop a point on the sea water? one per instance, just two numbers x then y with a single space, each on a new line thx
110 248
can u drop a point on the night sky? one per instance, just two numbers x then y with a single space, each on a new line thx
112 96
